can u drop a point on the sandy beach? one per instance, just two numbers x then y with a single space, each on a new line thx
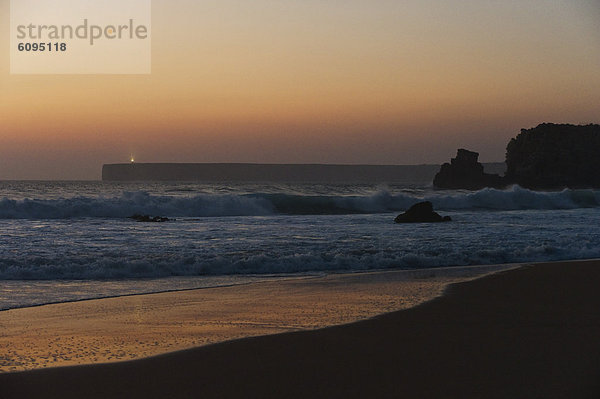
521 333
125 328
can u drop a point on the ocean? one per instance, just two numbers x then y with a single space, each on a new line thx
68 241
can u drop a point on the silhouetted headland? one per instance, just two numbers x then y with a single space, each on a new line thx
555 156
549 156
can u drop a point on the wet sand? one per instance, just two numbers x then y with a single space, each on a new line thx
531 332
125 328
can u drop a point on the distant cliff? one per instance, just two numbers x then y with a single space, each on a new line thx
555 156
244 172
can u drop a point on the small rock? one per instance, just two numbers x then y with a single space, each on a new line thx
149 219
421 213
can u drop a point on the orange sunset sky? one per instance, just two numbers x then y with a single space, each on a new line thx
290 81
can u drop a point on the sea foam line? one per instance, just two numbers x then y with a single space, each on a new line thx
261 204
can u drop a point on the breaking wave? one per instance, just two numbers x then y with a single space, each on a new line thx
260 204
341 259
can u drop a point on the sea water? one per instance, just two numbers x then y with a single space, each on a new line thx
64 241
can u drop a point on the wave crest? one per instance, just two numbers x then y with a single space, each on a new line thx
261 204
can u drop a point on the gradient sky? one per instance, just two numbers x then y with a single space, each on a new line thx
328 81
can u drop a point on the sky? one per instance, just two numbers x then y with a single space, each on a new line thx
307 81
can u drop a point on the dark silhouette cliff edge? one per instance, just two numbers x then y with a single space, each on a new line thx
549 156
555 156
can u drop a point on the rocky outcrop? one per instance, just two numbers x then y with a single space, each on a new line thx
421 213
465 172
549 156
149 219
552 156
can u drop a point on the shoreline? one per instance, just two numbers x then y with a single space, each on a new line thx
275 278
128 327
167 291
521 333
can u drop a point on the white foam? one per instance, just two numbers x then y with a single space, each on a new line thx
260 204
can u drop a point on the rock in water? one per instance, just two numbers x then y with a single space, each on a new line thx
149 219
465 172
553 156
421 213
